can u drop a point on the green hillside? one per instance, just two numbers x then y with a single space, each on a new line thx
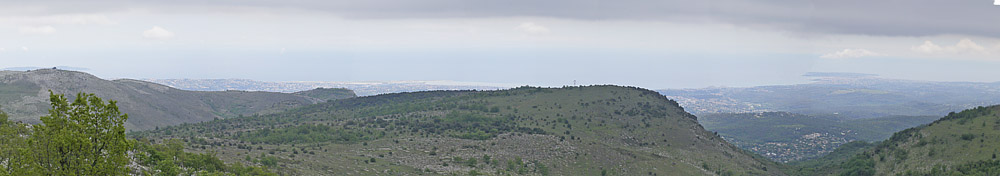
788 137
24 96
964 143
593 130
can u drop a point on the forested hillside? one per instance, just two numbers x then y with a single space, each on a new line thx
592 130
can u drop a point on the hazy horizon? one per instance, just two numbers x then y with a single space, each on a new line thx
653 44
808 77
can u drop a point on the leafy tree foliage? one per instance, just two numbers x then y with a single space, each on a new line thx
85 137
14 151
860 165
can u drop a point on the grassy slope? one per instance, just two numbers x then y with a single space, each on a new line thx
567 131
17 89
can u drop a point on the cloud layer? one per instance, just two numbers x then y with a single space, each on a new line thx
850 53
890 18
157 33
56 18
37 29
964 46
532 28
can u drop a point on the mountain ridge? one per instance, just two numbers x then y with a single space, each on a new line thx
153 105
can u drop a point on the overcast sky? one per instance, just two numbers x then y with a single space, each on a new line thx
652 44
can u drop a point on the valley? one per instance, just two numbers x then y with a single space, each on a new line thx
789 137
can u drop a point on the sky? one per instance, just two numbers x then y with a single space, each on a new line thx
646 43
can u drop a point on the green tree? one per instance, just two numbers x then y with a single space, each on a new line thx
14 148
486 159
85 137
269 161
471 162
542 169
859 165
167 167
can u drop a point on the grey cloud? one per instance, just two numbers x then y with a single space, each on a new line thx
865 17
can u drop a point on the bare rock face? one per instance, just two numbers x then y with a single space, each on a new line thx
24 95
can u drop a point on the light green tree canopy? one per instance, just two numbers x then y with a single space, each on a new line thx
85 137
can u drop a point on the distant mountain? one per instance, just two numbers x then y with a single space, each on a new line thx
24 95
592 130
844 95
838 74
36 68
786 137
361 88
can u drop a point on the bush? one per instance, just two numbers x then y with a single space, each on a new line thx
859 165
968 136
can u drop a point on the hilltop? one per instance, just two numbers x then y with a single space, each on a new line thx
591 130
24 95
